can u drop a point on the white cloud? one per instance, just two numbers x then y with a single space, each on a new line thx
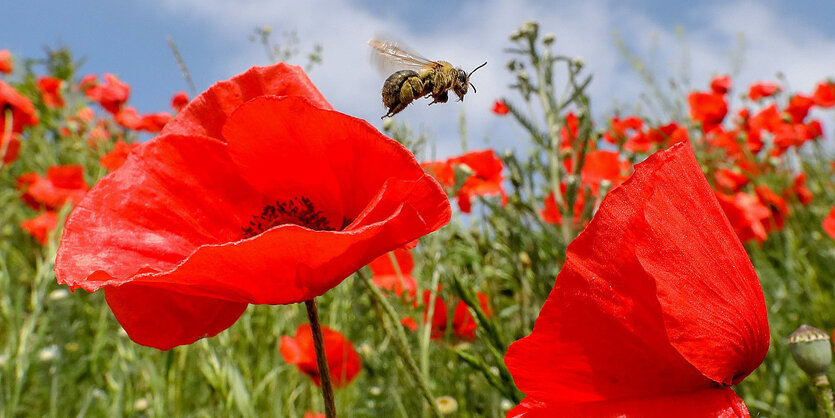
479 32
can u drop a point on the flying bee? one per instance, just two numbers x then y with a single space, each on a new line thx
417 77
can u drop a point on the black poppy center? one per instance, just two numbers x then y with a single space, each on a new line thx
298 211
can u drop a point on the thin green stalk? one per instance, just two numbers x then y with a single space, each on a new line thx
400 341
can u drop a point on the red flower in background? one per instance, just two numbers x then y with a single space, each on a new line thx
824 95
730 180
396 280
87 82
154 122
344 363
829 223
62 184
552 213
762 89
9 149
799 106
655 312
667 135
111 95
707 108
308 414
486 179
6 66
179 100
282 204
500 108
22 110
799 189
441 171
50 88
40 226
570 131
747 215
463 323
775 204
115 158
721 84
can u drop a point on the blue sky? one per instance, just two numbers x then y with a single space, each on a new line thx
128 38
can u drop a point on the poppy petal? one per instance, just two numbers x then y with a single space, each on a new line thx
659 274
719 403
207 113
160 318
146 216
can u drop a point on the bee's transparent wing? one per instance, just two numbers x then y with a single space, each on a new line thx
390 56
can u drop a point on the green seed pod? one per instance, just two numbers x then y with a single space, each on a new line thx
811 350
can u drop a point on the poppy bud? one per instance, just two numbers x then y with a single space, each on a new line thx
549 38
811 351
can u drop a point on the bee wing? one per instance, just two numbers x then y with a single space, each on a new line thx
390 56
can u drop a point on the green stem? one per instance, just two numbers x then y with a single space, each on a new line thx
6 139
823 390
400 342
321 360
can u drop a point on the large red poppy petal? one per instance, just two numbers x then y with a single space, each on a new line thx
161 318
173 195
286 264
207 113
615 291
333 159
717 403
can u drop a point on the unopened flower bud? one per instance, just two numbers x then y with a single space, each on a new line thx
811 350
549 38
530 29
578 62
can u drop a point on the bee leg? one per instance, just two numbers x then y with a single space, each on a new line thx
441 98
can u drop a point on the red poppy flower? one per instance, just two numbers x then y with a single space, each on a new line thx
128 117
111 95
179 100
500 108
599 166
707 108
98 135
396 280
409 323
41 225
154 122
191 229
63 183
775 204
621 129
655 312
343 361
87 82
463 323
22 110
730 180
799 189
829 223
570 131
6 66
308 414
747 215
115 158
667 135
486 179
767 119
552 214
720 84
50 88
824 95
9 149
762 89
799 106
441 171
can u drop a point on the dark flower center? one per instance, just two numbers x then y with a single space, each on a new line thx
298 211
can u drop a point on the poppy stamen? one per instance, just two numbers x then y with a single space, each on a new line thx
298 211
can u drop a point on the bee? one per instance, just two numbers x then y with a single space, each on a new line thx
418 77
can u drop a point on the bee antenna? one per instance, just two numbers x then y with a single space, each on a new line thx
476 68
473 86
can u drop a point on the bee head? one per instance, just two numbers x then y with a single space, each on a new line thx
460 86
462 82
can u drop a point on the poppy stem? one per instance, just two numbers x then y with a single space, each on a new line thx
401 343
321 360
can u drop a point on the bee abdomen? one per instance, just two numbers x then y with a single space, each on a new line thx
400 89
